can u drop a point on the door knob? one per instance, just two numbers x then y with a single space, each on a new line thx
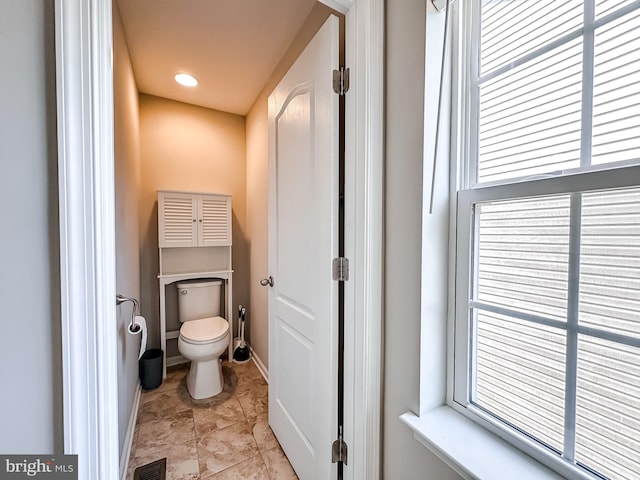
267 281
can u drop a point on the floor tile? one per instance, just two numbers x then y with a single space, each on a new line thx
252 469
246 370
182 468
175 376
226 437
241 378
222 412
225 447
278 466
264 437
164 403
174 439
255 401
230 377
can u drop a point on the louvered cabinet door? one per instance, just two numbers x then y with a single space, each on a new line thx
214 221
177 220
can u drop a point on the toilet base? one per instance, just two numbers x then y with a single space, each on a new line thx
205 379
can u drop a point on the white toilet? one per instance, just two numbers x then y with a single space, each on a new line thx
204 335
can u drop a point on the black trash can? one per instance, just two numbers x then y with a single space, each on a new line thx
150 368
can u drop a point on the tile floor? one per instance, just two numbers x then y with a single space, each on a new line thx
226 437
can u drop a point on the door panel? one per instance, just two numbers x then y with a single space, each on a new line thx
303 239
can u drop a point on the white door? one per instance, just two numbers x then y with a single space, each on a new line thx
303 239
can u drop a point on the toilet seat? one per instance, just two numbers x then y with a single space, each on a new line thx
204 330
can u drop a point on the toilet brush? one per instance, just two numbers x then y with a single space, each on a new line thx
242 354
236 340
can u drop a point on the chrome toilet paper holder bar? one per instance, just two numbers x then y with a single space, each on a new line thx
136 308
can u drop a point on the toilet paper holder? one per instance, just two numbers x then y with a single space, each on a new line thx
136 308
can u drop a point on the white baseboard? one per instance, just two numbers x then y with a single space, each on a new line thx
128 439
261 367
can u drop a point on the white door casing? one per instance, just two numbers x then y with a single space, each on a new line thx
303 239
85 165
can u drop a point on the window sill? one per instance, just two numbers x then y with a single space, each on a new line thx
470 450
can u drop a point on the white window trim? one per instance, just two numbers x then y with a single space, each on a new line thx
585 182
470 450
475 449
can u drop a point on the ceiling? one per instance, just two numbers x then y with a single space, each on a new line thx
230 46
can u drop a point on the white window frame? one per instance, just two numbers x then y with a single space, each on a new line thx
589 179
460 380
463 438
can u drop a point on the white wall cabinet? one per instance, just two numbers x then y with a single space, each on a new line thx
194 240
193 220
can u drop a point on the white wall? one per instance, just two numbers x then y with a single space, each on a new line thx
30 353
127 186
403 457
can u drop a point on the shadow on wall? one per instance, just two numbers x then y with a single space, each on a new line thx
240 265
149 269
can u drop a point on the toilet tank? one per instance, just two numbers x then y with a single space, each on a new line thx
198 299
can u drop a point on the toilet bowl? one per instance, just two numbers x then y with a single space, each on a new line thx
204 335
203 341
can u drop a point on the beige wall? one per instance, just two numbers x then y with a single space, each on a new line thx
189 148
403 457
257 216
127 185
257 187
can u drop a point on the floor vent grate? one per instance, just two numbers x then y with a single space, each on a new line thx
151 471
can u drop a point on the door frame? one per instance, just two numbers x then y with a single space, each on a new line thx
84 83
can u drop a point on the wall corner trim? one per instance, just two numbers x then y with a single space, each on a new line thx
84 79
365 243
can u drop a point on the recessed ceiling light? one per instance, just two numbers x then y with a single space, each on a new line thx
186 80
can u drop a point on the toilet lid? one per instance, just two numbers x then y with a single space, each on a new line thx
204 330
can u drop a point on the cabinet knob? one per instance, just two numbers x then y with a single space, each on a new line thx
194 220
